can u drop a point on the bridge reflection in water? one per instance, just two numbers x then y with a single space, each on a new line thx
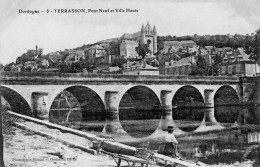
230 145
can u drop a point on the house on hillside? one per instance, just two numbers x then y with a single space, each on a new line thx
96 54
174 46
54 57
31 65
181 67
187 43
139 70
239 64
171 46
74 56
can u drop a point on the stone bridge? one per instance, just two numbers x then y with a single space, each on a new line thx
36 92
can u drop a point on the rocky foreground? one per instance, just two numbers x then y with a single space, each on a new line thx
26 149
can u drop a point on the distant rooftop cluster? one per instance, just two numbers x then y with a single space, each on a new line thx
169 55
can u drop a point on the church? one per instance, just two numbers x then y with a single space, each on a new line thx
130 41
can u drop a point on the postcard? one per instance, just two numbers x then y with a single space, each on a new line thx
130 83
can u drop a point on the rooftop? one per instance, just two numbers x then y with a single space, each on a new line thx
184 61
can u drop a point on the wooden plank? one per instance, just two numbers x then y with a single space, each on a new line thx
119 162
57 109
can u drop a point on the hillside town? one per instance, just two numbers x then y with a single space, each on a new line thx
146 53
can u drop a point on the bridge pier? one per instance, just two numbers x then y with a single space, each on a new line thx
40 105
166 119
113 124
209 115
209 121
241 119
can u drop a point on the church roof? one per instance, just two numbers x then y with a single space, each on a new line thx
174 43
137 34
187 42
130 42
127 36
147 25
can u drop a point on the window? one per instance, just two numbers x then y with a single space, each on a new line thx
223 70
234 70
238 68
230 68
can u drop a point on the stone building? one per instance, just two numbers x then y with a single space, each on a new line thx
181 67
147 35
75 56
174 46
239 64
96 54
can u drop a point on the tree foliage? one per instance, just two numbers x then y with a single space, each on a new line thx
8 67
114 48
200 68
255 55
233 41
75 67
1 66
142 50
118 62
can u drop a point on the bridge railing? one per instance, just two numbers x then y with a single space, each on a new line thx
112 76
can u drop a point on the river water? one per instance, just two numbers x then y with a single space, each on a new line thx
234 139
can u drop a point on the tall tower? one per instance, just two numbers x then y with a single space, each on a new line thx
154 40
142 34
148 27
36 50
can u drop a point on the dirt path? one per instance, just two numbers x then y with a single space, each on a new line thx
26 149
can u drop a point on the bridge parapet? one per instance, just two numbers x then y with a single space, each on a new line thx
45 78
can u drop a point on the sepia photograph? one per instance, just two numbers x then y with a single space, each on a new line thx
130 83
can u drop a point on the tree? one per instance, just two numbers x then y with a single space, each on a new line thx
114 48
85 65
8 67
256 47
201 67
64 68
1 67
216 65
118 62
143 50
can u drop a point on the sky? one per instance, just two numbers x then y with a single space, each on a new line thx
58 31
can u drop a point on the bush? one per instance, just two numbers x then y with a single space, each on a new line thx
8 120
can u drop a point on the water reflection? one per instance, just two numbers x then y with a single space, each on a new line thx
235 143
221 147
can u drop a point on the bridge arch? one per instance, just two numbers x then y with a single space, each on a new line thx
16 101
138 103
226 104
78 104
188 104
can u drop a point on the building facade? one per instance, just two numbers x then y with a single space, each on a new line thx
239 64
181 67
147 35
96 54
174 46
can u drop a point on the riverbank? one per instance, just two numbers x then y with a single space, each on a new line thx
23 148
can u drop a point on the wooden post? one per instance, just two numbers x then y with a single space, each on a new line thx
1 135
